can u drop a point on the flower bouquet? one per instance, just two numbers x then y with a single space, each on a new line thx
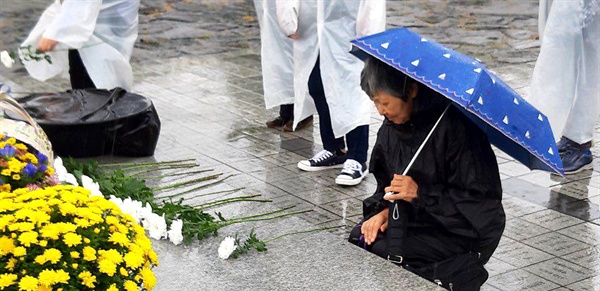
22 166
59 237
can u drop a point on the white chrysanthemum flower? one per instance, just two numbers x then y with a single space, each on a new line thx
6 59
116 200
156 226
62 174
88 183
133 208
175 234
227 247
145 211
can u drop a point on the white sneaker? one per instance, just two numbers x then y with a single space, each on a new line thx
352 174
321 161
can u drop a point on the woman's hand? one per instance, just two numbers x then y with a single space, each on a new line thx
403 187
377 223
46 44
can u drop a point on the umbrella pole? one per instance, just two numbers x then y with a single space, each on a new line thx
395 213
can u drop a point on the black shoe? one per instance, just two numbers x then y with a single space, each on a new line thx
321 161
576 160
288 127
352 174
276 123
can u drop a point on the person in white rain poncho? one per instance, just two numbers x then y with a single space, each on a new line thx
90 40
277 67
566 81
326 71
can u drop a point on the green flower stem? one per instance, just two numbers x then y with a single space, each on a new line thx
226 199
229 222
147 169
196 188
262 214
175 174
232 201
214 193
188 182
300 232
145 164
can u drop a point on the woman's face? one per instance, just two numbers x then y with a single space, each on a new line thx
394 109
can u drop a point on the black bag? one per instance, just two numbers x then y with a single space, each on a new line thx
94 122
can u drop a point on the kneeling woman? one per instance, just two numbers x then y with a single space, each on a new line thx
450 200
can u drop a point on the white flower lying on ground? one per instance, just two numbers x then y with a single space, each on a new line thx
6 59
63 175
227 247
175 235
156 226
88 183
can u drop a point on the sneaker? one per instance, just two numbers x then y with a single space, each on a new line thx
576 160
289 126
352 174
276 123
321 161
565 143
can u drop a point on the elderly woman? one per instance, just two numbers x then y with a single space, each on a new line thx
450 200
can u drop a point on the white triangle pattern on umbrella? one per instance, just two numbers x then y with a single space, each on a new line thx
470 91
423 40
447 56
478 70
415 63
540 117
516 101
385 45
550 151
527 135
505 120
480 101
442 77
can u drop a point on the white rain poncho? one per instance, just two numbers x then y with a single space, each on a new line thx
324 29
276 57
566 81
104 32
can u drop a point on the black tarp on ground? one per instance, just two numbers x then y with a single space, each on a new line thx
94 122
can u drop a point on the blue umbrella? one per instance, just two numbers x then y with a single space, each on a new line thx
510 123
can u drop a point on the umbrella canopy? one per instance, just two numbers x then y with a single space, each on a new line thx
510 123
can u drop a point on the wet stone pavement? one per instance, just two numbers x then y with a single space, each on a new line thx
199 62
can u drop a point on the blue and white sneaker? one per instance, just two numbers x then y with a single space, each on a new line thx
352 174
321 161
576 160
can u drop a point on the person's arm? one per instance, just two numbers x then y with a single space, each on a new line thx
73 25
287 16
370 18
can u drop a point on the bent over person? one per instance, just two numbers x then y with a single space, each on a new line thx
450 197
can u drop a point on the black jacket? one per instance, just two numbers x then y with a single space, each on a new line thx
457 175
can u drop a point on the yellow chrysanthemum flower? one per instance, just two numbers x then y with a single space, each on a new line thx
72 239
7 245
74 266
47 277
148 278
123 272
87 279
89 254
119 239
53 255
40 259
7 280
107 267
134 260
43 243
113 287
28 283
10 265
74 255
62 277
130 285
11 141
5 187
19 251
21 226
27 238
50 231
16 177
6 172
50 171
111 255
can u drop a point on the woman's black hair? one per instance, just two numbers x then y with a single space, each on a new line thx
378 76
